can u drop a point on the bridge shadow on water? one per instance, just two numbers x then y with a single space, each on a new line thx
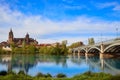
108 64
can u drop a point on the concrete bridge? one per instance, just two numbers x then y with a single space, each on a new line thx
104 65
109 48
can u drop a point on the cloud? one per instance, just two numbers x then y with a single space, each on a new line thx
117 8
114 5
105 5
73 7
39 26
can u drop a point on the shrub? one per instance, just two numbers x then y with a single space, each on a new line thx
116 77
89 73
21 72
60 75
11 72
48 75
40 75
3 73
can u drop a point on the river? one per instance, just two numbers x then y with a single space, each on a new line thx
70 65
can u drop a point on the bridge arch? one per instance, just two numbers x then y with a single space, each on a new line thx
82 50
113 48
94 50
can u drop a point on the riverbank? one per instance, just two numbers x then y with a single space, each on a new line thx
85 76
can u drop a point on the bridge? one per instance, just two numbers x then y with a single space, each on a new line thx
103 65
108 48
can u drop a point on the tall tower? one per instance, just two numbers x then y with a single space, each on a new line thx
27 38
11 36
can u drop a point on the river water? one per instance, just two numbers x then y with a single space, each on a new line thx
69 65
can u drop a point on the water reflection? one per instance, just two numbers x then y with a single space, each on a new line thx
69 65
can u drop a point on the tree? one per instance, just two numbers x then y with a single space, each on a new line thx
23 44
64 42
76 44
91 41
31 49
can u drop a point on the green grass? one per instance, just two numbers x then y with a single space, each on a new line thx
85 76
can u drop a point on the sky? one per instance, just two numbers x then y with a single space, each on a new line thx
50 21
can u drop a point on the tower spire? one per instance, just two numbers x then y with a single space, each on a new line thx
27 38
10 29
11 36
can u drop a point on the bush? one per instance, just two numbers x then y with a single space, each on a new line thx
60 75
40 75
116 77
3 73
11 72
48 75
88 73
21 72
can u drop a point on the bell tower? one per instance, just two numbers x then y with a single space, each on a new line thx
27 38
10 36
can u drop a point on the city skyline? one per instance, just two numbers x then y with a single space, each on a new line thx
57 20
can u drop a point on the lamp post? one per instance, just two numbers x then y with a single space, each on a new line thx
116 33
101 39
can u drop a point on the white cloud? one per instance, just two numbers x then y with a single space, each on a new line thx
39 26
114 5
117 8
75 7
105 5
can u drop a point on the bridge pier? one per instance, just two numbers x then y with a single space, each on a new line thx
86 54
101 51
101 56
74 53
102 48
86 57
78 53
102 63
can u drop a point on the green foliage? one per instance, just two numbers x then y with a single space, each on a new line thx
93 76
116 77
21 72
3 73
12 45
91 41
23 44
57 50
60 75
48 75
11 72
43 75
31 49
1 51
17 50
89 73
40 76
76 44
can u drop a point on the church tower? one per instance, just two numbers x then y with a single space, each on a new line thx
11 36
27 38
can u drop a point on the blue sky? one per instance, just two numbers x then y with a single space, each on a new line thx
56 20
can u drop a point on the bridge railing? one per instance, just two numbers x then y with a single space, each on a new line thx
103 42
108 41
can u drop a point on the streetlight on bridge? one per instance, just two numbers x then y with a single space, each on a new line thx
116 33
101 38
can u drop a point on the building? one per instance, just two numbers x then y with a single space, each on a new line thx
43 45
18 41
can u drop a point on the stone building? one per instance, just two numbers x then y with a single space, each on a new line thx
18 41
